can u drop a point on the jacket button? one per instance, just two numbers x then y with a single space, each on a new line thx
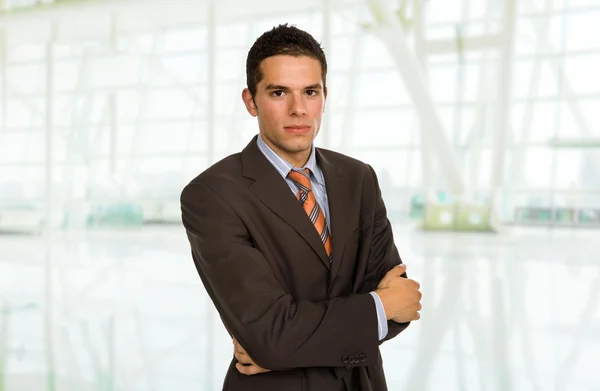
352 359
362 358
345 359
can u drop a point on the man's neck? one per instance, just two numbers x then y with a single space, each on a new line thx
297 160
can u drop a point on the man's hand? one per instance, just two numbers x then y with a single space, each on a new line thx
245 365
400 296
395 272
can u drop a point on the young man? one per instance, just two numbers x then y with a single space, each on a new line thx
292 242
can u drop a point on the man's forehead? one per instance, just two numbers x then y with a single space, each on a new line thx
291 70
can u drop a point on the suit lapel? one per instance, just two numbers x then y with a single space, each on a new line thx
338 198
272 190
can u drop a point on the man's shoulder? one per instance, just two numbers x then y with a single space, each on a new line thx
344 161
226 170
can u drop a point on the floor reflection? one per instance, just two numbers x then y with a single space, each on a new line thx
126 311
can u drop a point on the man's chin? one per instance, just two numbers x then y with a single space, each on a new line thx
298 147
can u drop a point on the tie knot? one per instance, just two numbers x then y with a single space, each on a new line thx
301 178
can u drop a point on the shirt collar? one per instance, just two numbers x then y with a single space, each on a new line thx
284 167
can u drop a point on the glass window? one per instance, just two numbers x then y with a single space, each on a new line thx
30 78
582 27
185 39
386 128
182 68
230 65
375 89
24 112
171 103
537 168
535 78
373 53
579 73
114 71
439 11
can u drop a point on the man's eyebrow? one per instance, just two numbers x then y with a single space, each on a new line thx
316 86
276 87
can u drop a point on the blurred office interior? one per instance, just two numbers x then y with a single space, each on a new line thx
480 117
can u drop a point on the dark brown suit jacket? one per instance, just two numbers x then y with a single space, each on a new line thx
262 262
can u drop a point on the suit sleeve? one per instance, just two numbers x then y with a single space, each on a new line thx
277 331
383 254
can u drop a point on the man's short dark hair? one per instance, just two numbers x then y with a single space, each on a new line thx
282 40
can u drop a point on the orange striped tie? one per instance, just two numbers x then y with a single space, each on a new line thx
311 206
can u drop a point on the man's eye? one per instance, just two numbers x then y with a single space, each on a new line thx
312 92
277 93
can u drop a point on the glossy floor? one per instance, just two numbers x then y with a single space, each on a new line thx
125 310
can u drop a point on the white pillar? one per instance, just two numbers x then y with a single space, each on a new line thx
4 323
420 53
351 95
112 103
392 35
4 85
481 116
326 28
210 124
49 215
504 113
49 136
211 67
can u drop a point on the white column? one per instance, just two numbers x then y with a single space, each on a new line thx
420 52
112 104
4 323
49 215
351 94
49 136
211 67
326 18
481 116
504 113
392 35
4 85
210 124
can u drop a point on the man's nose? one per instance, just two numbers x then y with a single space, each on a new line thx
297 106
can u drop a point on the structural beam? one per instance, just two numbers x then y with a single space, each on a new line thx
351 95
49 219
327 39
3 81
578 143
211 37
49 131
503 118
389 30
420 53
482 42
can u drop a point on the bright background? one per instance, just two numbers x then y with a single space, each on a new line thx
478 115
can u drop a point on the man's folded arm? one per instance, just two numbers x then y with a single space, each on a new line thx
383 254
277 331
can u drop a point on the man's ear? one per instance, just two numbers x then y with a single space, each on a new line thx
249 102
325 98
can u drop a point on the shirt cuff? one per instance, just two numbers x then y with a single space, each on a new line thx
381 318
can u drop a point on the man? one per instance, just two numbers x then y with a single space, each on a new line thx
292 242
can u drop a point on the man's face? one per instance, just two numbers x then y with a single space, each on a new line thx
289 103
